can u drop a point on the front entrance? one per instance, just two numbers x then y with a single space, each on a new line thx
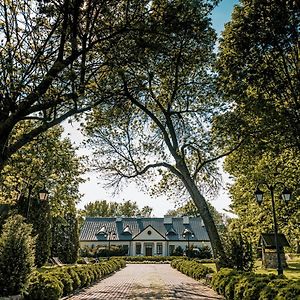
148 250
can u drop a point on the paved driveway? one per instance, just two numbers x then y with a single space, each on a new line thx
147 281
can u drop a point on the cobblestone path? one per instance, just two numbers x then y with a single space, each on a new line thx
147 281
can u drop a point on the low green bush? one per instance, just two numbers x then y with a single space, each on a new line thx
221 279
56 282
147 259
236 285
290 292
44 286
272 288
192 268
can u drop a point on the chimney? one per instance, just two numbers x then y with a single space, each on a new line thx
118 219
185 220
167 220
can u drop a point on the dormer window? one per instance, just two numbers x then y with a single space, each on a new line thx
102 231
171 231
127 230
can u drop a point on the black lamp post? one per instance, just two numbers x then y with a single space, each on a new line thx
187 234
110 234
286 196
43 196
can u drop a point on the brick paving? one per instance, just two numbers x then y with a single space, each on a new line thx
147 281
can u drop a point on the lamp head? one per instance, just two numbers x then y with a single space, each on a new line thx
259 196
286 195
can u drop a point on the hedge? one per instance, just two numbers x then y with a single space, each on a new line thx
234 285
158 259
53 283
192 268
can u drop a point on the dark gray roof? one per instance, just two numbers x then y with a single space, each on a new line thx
92 226
268 240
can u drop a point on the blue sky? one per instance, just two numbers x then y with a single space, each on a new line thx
92 189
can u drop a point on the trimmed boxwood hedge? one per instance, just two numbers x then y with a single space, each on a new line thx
53 283
158 259
192 268
234 285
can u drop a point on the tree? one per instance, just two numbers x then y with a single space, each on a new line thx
249 170
49 161
16 255
104 208
50 52
163 131
65 238
258 70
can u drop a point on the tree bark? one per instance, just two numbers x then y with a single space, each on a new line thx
200 202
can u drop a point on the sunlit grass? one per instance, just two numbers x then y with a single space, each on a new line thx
292 272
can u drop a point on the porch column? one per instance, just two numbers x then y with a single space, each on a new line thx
142 248
155 248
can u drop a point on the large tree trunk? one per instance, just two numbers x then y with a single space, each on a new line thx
200 202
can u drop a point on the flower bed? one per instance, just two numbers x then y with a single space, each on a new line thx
52 284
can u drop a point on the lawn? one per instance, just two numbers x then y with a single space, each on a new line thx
292 272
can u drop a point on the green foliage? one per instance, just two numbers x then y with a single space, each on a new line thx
55 282
178 251
222 278
49 161
191 268
203 252
289 292
39 216
241 254
65 238
236 285
17 248
258 66
161 135
44 286
149 259
104 208
50 56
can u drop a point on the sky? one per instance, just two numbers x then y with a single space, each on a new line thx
92 189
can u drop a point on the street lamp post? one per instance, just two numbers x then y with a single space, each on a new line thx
286 196
109 235
187 234
43 196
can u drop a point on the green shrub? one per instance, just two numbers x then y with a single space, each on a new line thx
44 286
74 276
229 287
64 280
221 279
64 277
236 285
289 292
16 255
191 268
255 286
271 290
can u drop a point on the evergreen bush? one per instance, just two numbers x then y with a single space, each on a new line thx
44 286
236 285
17 248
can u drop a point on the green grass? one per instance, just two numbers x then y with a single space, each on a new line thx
292 272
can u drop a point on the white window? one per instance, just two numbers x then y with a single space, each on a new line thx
159 249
